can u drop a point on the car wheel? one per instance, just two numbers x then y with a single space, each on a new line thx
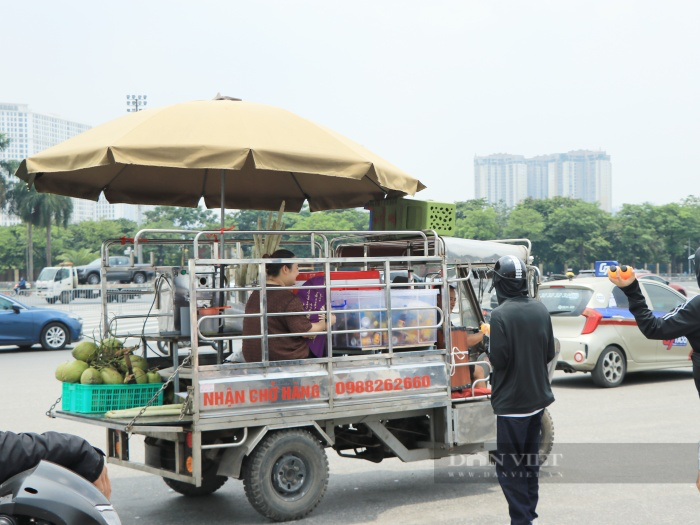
54 336
286 475
93 278
51 300
65 297
611 368
139 278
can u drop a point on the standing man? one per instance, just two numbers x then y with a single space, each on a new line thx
683 321
522 343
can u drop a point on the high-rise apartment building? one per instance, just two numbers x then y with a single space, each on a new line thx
501 178
581 174
30 133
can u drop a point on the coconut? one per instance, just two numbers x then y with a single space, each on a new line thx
86 351
111 377
139 376
136 362
153 377
110 346
59 371
72 371
91 376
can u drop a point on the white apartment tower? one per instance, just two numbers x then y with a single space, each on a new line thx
30 133
501 177
580 174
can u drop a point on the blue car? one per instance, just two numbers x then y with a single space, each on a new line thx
25 326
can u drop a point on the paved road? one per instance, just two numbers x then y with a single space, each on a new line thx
658 407
649 408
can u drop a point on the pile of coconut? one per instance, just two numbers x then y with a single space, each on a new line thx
108 363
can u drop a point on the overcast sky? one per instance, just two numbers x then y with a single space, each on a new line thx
425 84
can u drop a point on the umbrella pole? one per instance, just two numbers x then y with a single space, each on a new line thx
222 271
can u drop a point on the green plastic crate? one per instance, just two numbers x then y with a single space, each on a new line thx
387 214
409 214
97 399
429 215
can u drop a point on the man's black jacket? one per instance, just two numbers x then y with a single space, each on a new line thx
522 343
19 452
682 321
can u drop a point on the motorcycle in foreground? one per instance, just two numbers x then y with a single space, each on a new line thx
49 494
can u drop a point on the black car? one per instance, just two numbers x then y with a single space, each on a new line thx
119 271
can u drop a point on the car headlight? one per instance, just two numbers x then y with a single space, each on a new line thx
76 317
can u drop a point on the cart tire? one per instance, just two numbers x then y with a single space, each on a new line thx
546 436
286 475
546 440
210 484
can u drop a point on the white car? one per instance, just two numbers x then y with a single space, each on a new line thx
598 333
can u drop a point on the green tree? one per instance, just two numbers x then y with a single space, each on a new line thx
246 220
13 240
4 166
669 225
182 218
350 220
475 219
91 234
690 215
23 201
53 209
631 237
577 230
78 257
525 223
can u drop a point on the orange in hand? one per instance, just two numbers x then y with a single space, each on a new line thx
624 273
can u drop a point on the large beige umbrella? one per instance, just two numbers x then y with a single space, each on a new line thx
257 155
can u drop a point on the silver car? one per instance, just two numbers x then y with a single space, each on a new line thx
598 333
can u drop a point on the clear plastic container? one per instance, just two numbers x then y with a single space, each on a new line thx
420 313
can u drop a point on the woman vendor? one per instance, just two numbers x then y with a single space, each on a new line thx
279 301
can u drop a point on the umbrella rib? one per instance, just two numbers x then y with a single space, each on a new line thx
377 185
294 178
114 178
204 183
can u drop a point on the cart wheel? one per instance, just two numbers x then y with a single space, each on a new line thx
286 476
546 436
210 484
546 439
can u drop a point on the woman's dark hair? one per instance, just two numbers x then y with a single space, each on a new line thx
273 270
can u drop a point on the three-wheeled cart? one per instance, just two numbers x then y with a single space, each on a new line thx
382 387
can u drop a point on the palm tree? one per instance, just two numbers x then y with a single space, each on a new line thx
53 208
22 201
5 165
38 209
78 257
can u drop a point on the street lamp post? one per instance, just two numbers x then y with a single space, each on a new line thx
135 103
